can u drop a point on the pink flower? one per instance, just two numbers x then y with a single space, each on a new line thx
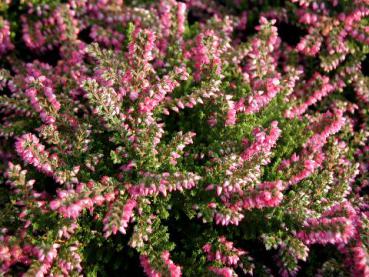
32 152
224 271
127 215
5 41
263 142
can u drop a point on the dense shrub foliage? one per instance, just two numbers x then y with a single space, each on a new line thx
194 138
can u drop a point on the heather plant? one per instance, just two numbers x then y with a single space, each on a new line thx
194 138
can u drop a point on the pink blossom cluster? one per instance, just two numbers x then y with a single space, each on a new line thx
327 230
72 65
46 257
125 216
206 54
5 42
307 166
261 67
41 258
333 124
245 191
53 27
357 257
312 155
66 266
140 49
263 143
332 30
136 81
30 149
39 89
181 142
355 251
323 89
230 216
11 254
149 271
344 209
107 36
225 252
111 14
223 271
160 91
260 71
266 194
173 270
70 203
352 22
163 183
172 24
310 45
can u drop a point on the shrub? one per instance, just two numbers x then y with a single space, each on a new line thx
194 139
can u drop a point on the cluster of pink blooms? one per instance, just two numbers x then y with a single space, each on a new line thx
10 254
126 215
229 217
312 156
241 193
166 86
260 71
224 253
310 98
46 258
337 225
327 230
172 268
330 123
351 22
310 45
206 54
163 184
183 140
266 194
261 68
66 266
140 54
355 251
223 271
5 42
357 257
30 149
263 143
107 37
70 203
38 89
54 27
308 166
169 10
332 30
